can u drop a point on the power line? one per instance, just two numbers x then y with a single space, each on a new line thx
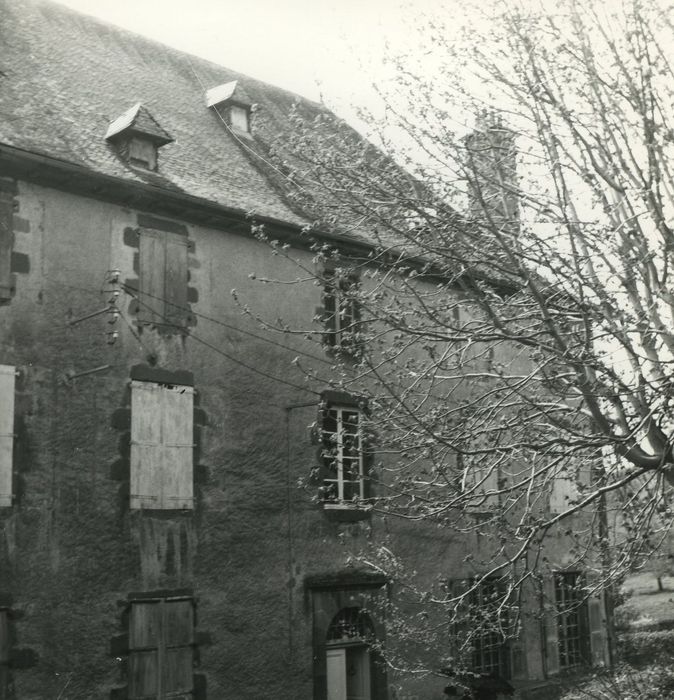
230 357
132 291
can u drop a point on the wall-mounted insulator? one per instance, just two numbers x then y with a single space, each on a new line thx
113 276
111 337
113 315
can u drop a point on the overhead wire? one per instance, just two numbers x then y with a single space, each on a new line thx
132 291
229 357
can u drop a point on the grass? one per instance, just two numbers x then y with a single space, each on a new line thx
645 605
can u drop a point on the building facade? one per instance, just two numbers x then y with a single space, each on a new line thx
155 542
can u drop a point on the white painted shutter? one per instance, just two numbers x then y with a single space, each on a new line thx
564 490
550 625
178 444
336 673
146 447
7 374
598 632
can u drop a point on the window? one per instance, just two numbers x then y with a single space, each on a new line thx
142 152
563 493
348 662
6 247
479 483
341 312
238 118
7 376
342 453
162 444
161 637
490 646
163 279
573 638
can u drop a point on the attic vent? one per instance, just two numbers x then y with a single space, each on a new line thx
137 136
230 101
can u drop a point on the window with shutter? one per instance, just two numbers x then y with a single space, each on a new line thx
7 375
161 638
563 493
341 312
163 279
489 616
162 445
572 623
342 452
479 485
6 247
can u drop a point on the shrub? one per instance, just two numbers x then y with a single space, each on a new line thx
654 682
645 646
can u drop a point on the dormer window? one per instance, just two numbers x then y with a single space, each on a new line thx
137 137
231 103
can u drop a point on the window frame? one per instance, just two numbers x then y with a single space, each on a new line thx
341 313
140 650
487 642
572 614
339 501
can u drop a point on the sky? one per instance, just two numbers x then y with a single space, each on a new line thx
321 49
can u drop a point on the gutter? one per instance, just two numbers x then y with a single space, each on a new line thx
69 177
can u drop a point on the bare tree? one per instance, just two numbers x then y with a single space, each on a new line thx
514 333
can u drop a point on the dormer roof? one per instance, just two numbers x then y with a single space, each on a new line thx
138 120
230 92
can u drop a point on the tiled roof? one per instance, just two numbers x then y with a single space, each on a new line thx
64 77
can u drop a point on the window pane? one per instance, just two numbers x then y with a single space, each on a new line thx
572 628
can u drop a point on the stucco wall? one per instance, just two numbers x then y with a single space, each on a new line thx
72 552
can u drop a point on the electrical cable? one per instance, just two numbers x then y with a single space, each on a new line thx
132 291
230 357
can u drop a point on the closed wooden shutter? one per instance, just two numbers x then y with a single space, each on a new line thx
177 447
175 281
161 635
6 246
4 637
598 632
178 640
551 635
152 261
145 630
564 490
162 443
146 445
7 374
5 645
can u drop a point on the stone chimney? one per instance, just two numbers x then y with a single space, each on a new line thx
490 167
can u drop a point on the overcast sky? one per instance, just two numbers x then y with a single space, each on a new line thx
295 44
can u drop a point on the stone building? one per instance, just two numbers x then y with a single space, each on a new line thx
154 542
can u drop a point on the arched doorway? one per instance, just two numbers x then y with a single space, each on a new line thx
348 658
